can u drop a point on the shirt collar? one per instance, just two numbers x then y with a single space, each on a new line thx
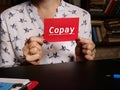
62 5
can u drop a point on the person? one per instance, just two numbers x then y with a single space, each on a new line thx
22 34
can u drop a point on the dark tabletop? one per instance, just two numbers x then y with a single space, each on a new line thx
89 75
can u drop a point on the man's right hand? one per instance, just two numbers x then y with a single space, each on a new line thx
33 50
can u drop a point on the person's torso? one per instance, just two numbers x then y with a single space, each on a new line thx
24 22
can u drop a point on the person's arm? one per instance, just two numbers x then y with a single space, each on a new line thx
85 49
7 55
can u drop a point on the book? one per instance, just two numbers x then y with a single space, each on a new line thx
116 29
94 6
113 30
6 86
113 35
100 23
114 12
17 84
96 13
112 24
115 25
107 2
14 80
113 21
98 2
103 31
96 10
118 10
94 34
98 29
113 40
110 6
104 7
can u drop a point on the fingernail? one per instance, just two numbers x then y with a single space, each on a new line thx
44 41
77 39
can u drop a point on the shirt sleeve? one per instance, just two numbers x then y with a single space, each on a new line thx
88 28
85 26
7 55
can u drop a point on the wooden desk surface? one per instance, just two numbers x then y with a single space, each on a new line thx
90 75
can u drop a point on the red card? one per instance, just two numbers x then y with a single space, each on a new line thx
61 29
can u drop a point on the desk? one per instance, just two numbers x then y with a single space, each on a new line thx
89 75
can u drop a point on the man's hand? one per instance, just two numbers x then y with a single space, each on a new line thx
33 50
85 49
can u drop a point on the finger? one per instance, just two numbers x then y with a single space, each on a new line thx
95 51
89 57
34 44
31 58
87 52
39 40
25 50
88 46
85 41
35 62
34 50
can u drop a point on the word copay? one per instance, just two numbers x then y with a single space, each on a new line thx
61 29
